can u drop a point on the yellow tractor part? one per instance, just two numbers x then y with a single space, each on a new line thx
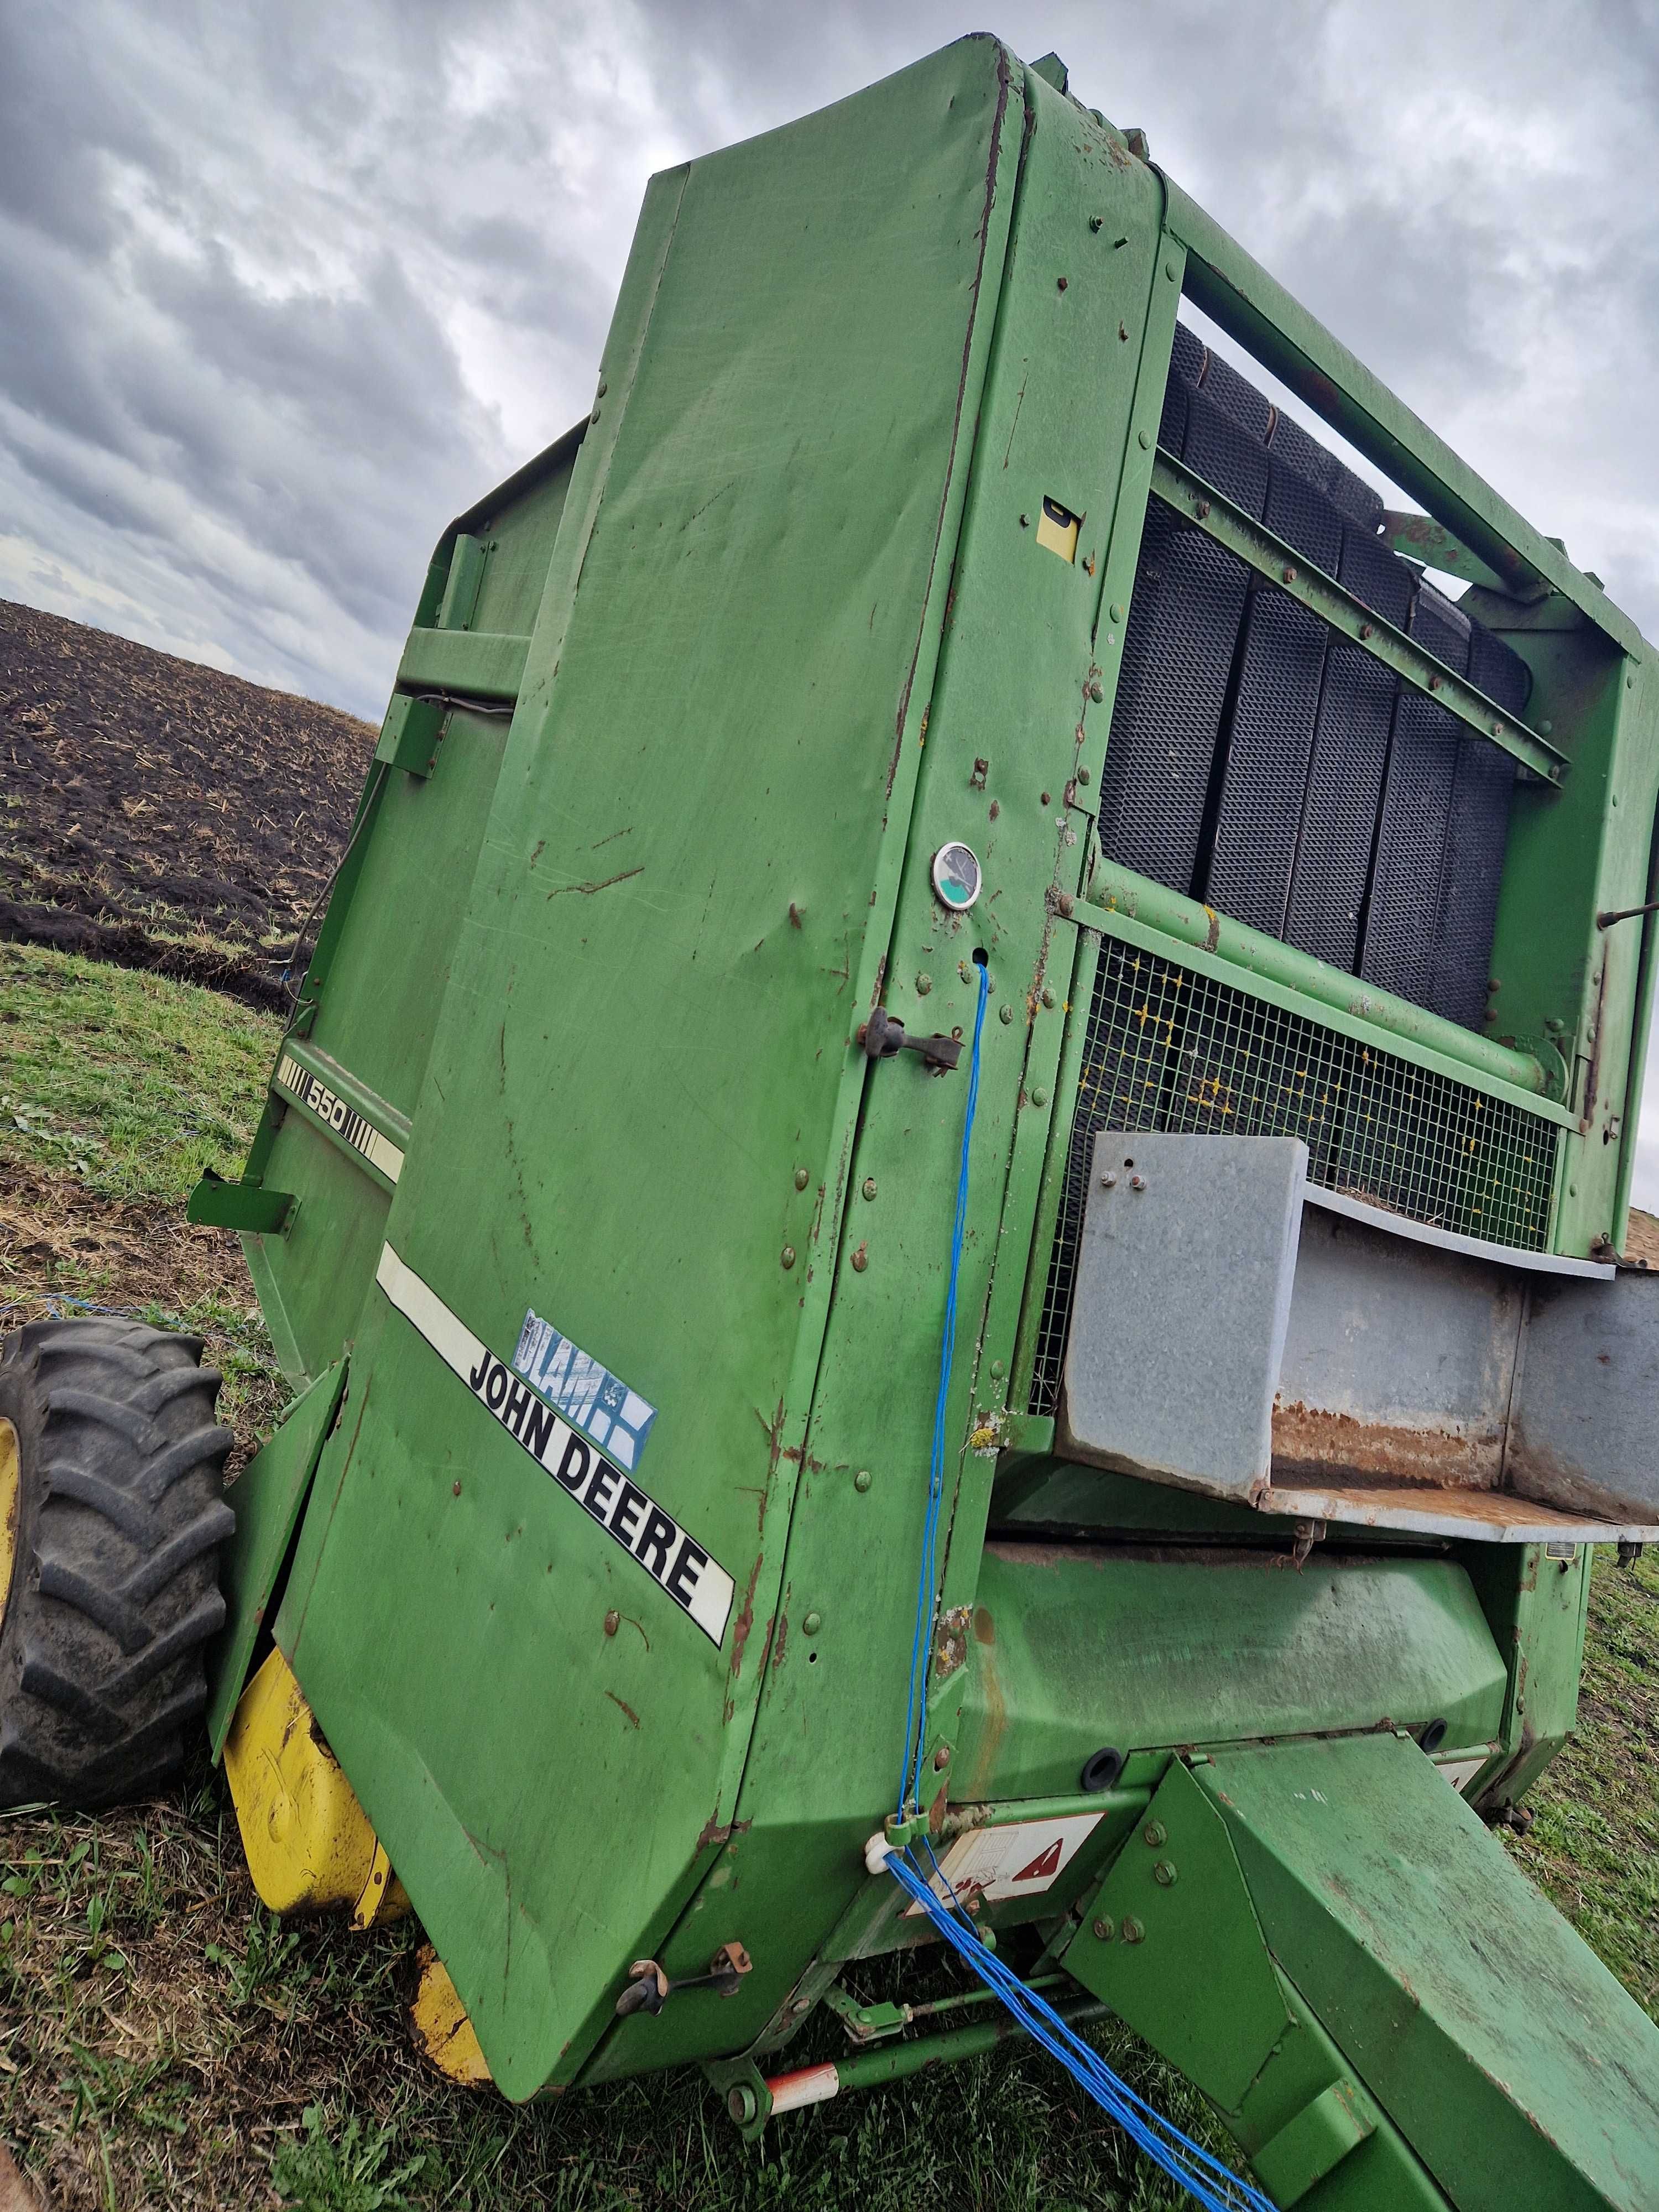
309 1844
11 1502
440 2023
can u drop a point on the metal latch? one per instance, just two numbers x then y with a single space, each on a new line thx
649 1989
882 1036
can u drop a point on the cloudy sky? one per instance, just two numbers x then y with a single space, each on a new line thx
284 287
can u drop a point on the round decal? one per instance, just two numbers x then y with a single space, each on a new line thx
956 878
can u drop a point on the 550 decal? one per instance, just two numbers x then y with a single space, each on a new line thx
651 1536
306 1090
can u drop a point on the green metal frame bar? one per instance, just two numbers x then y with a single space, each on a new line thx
1254 543
1222 280
1160 921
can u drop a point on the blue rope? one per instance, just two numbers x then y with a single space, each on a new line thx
1204 2178
915 1712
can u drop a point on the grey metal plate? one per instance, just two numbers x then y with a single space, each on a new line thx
1585 1434
1183 1296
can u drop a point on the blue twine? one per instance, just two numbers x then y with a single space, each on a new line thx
1210 2183
916 1719
1204 2176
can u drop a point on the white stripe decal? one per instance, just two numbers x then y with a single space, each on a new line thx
357 1130
652 1537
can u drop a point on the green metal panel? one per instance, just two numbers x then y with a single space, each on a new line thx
1174 1890
266 1498
598 1057
1425 1952
1537 1605
1074 1647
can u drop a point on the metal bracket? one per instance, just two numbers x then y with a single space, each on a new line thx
1199 503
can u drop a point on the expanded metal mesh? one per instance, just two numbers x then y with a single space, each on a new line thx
1167 1049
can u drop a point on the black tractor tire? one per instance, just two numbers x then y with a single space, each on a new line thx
113 1588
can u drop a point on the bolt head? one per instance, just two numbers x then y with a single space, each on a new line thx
941 1758
1084 773
1108 1181
1096 220
1137 1183
1366 630
924 984
1048 994
1102 1931
801 1178
1155 1833
1005 1013
612 1622
1288 573
1115 612
861 1479
869 1186
1132 1931
1039 1097
1163 1874
861 1261
787 1257
810 1625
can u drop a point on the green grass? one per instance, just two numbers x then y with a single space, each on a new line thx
133 1083
165 2042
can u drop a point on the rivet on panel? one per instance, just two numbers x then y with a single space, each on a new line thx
861 1479
1288 573
1005 1013
1048 994
1144 438
787 1257
1039 1097
924 984
869 1186
1097 689
861 1260
801 1178
810 1625
941 1758
1115 612
1084 774
613 1623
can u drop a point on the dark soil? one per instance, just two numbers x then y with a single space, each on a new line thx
161 814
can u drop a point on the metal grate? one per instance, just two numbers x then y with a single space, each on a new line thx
1167 1049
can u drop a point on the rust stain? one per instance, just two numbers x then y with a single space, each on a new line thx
1213 935
1308 1440
745 1618
628 1709
586 891
985 1629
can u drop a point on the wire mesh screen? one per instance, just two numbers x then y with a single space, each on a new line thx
1167 1049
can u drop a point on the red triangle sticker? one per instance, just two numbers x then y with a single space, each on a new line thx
1043 1868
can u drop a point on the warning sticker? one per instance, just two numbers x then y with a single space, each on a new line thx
1020 1860
589 1395
307 1090
699 1585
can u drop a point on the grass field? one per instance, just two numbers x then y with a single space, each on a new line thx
165 2043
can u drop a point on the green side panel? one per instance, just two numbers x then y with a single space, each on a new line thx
1519 2069
1175 1890
266 1498
1011 692
1075 1648
370 1002
710 768
1538 1606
